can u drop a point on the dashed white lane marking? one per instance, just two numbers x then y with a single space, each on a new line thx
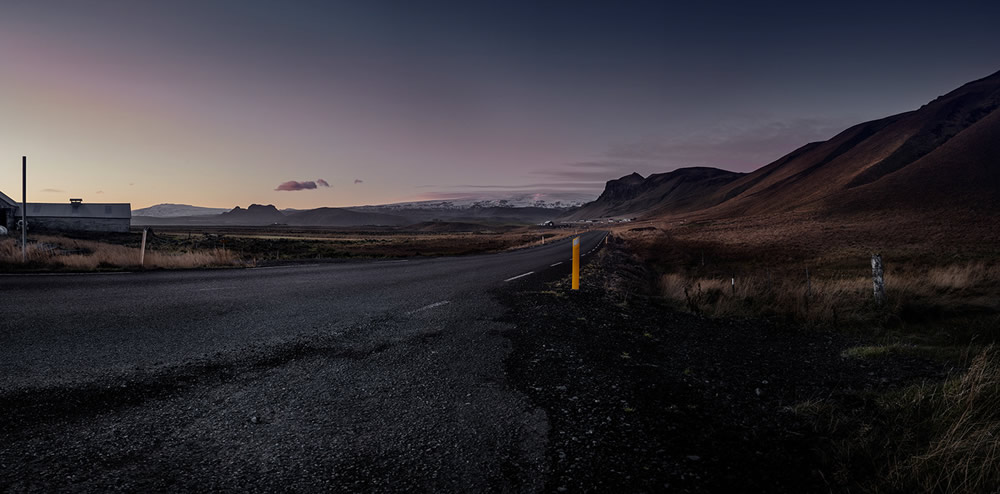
519 276
554 265
430 306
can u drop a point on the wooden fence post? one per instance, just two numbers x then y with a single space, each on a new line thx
878 279
142 250
809 286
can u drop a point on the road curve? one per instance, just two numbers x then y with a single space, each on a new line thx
376 375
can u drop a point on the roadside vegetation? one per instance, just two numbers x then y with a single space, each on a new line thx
56 252
248 247
942 305
926 437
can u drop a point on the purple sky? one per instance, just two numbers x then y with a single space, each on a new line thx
222 103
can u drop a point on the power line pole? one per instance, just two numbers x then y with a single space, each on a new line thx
24 209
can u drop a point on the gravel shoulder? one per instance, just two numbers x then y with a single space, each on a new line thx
642 398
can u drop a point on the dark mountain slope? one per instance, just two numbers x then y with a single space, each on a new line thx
943 155
686 189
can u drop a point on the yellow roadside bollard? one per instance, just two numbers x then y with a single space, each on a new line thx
576 263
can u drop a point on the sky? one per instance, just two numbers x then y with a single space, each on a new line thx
225 103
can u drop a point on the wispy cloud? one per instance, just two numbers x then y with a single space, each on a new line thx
53 190
515 195
549 185
738 145
358 181
598 172
293 185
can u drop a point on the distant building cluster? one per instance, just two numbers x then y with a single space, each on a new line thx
74 215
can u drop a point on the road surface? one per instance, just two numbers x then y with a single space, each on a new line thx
381 375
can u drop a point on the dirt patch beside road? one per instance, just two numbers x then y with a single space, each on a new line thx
641 398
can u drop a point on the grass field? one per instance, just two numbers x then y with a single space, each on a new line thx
201 247
942 278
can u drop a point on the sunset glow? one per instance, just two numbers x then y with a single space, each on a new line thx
183 104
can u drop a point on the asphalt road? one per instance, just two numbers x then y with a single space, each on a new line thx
356 376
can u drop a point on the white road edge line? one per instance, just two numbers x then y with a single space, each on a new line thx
66 274
519 276
554 265
287 266
430 306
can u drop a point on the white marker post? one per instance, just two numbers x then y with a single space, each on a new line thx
142 249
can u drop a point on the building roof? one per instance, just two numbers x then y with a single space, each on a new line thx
7 200
84 210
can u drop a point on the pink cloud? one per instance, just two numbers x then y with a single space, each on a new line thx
292 185
322 182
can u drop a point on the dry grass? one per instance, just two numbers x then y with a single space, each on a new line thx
943 302
835 297
949 291
963 454
268 244
930 437
84 255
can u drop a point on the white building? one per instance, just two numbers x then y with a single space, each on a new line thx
74 215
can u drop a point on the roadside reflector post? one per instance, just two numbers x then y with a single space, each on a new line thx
576 263
142 249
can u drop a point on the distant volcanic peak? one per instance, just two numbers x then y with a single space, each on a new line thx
631 179
256 210
622 189
694 172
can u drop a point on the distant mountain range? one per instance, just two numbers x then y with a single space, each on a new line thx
516 201
943 156
515 209
169 210
561 200
262 215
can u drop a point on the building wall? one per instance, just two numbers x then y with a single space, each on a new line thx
7 218
79 224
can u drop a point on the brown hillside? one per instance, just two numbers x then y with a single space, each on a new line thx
683 190
943 156
860 160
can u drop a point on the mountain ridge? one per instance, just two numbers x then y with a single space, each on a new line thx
947 150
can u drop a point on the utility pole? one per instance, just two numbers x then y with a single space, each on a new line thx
24 209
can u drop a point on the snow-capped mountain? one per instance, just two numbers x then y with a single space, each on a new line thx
176 210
